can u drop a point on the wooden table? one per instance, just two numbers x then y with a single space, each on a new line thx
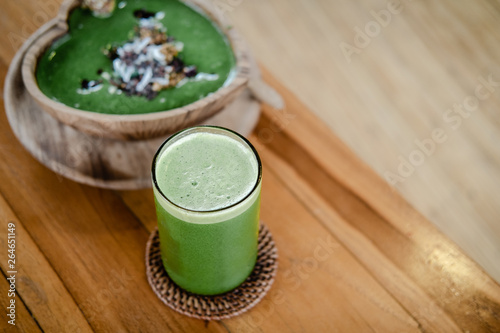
395 91
354 256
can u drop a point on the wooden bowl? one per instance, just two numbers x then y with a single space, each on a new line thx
136 126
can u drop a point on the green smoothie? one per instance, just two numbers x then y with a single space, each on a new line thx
207 182
80 68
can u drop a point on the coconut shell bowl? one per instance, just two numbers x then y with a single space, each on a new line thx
136 126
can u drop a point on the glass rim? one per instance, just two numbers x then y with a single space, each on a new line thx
245 140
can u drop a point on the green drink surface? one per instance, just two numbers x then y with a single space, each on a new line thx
78 55
206 171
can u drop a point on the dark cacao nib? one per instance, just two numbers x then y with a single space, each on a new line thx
190 71
85 84
177 64
142 13
111 53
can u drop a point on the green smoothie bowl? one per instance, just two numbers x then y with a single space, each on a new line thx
135 69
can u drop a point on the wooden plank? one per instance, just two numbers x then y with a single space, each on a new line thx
38 285
142 205
367 204
3 73
23 320
422 308
21 19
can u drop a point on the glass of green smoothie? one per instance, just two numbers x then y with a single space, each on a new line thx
206 183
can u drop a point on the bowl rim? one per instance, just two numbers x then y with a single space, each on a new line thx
30 62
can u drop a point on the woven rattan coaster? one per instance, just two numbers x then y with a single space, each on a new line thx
218 307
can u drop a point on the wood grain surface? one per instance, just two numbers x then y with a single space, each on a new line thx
354 255
397 87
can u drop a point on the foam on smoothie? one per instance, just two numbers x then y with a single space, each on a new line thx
205 171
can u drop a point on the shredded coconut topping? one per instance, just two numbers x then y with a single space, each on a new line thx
148 63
